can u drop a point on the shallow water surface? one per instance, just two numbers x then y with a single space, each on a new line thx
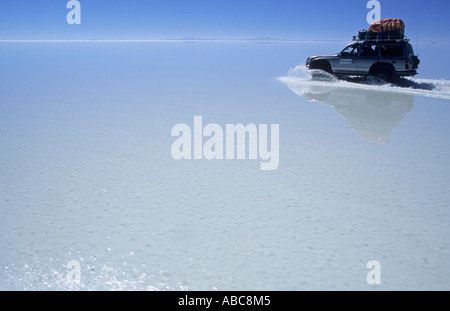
87 174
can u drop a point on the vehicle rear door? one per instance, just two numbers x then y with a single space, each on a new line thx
393 53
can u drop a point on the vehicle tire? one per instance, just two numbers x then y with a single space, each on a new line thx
384 74
321 65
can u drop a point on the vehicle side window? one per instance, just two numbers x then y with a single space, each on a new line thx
369 51
391 51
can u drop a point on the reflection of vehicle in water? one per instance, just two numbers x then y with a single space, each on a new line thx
373 114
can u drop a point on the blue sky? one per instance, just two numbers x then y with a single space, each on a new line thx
148 19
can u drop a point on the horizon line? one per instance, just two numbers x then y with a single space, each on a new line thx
187 40
270 40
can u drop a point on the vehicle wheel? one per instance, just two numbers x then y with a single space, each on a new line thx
385 75
325 66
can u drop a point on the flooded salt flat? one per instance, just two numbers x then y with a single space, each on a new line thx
87 173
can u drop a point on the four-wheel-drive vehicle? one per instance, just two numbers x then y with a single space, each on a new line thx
383 58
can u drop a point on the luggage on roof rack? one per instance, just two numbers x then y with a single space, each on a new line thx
387 25
385 29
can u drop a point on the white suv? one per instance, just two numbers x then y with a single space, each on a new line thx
385 59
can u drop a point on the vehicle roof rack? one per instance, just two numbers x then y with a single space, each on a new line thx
388 38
